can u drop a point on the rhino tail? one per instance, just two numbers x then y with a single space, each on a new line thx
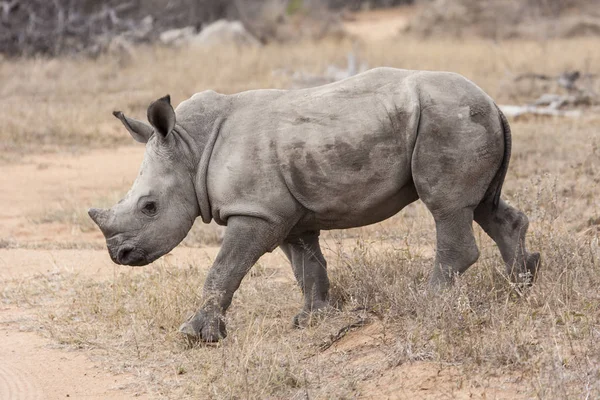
495 188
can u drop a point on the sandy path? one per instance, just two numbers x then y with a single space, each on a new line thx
42 183
29 367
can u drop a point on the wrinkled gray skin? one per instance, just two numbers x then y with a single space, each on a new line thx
278 166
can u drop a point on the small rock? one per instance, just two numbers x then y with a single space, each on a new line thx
178 37
224 32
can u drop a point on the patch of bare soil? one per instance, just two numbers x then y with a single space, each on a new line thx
426 380
380 24
417 379
48 193
30 368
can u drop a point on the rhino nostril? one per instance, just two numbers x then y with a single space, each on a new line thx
123 254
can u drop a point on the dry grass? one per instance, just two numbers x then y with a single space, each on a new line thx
544 344
50 104
547 337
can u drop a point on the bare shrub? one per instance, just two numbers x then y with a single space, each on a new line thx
91 27
58 27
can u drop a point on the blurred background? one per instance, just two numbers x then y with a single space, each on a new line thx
56 27
536 53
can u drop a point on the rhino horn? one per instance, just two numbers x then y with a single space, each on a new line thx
100 217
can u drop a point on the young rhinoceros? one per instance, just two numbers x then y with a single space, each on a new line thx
278 166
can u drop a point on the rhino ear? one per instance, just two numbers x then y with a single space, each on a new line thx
162 116
139 130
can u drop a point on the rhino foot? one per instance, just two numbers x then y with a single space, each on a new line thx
532 265
204 326
525 278
308 318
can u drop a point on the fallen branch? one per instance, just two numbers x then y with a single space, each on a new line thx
567 79
517 111
343 332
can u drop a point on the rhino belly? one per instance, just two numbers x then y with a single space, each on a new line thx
351 187
365 211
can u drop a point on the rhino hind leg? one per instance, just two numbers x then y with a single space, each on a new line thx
507 226
310 270
456 247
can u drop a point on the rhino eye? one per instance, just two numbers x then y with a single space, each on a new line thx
149 208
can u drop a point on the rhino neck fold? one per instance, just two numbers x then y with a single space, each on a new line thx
202 174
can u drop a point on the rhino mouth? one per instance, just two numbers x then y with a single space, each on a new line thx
127 254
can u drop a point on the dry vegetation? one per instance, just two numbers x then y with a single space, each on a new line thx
533 19
478 339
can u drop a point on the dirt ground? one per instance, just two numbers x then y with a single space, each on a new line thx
31 367
74 325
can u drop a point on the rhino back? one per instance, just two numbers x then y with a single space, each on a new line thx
339 153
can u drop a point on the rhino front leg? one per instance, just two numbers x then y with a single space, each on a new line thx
246 240
310 270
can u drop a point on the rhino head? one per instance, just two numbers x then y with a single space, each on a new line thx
161 206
